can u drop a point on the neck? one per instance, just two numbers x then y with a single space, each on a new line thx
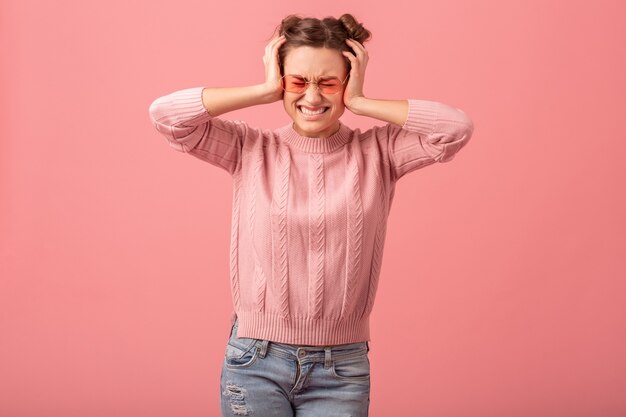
320 135
316 144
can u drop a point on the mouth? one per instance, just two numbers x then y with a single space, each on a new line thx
312 111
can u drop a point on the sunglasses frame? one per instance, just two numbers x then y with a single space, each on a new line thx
306 81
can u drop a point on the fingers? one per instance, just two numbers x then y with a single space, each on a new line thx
350 56
274 43
272 47
358 48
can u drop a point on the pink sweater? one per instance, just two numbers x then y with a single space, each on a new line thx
309 215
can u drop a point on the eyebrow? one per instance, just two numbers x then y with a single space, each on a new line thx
324 77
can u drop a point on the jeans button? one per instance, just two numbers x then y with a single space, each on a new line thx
301 353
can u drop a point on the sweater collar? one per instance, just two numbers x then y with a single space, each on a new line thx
315 145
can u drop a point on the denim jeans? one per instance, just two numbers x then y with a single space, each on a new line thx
266 379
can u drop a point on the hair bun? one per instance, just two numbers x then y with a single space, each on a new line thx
355 29
288 23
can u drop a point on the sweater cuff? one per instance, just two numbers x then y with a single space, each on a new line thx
188 102
182 106
422 116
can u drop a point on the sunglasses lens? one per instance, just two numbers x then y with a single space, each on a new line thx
330 86
294 84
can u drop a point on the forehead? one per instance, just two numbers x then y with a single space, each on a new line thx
314 62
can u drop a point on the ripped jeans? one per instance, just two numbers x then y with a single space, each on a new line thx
266 379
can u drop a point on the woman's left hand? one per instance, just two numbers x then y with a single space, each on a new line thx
354 90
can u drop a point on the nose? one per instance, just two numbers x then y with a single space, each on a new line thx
312 93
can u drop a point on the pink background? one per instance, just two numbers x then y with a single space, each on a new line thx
503 287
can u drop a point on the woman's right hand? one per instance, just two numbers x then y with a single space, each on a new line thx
273 81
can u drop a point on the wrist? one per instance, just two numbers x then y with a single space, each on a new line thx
358 105
266 94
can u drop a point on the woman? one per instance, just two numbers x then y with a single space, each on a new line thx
310 207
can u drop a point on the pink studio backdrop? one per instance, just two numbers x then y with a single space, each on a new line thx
502 290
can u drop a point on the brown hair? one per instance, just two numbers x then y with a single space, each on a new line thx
328 32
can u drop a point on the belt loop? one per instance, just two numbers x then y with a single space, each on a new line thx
263 348
327 357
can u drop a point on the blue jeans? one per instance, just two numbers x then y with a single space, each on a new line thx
264 379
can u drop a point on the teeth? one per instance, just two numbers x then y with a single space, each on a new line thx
309 112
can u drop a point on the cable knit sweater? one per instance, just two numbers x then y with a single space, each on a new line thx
309 215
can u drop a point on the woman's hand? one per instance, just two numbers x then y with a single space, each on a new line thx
273 82
354 90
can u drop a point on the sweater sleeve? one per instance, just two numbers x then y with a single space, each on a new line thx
433 132
188 127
